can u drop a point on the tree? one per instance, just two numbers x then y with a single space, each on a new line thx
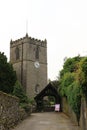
71 64
7 75
19 92
24 100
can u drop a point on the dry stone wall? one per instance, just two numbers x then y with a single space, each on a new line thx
10 113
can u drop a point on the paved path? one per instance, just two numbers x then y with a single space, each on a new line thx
47 121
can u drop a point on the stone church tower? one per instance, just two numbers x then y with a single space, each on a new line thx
29 59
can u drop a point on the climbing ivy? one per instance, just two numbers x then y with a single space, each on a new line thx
83 65
73 82
74 98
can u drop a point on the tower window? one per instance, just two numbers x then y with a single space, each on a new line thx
17 53
37 52
37 88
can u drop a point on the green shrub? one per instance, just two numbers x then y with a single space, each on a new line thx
71 81
26 107
19 92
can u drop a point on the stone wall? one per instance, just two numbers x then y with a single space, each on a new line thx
83 117
10 113
68 111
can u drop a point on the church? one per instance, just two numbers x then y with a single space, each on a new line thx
29 58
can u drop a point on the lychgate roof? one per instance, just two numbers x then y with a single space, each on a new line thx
49 90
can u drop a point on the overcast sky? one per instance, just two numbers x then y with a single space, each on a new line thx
62 22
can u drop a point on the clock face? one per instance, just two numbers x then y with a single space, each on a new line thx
37 65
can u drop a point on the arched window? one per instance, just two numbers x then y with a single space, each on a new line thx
17 53
37 52
37 88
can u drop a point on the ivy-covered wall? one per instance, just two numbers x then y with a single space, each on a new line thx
73 83
10 113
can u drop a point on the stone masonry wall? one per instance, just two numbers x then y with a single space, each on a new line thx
67 110
29 51
10 114
83 115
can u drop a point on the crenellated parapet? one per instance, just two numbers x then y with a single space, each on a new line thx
30 40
